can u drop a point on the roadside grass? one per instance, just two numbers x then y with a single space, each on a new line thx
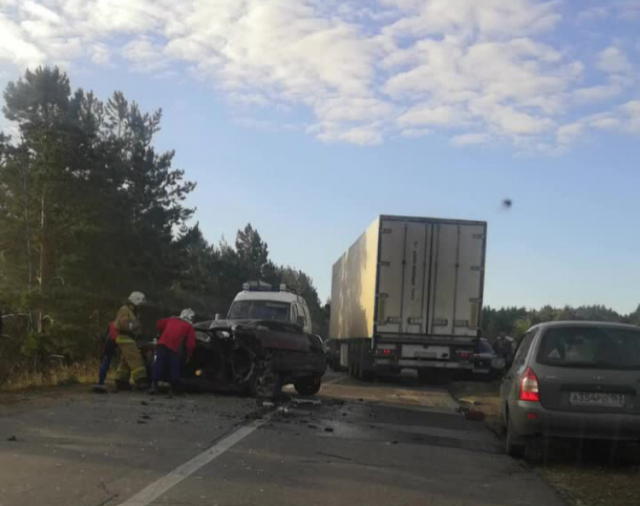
591 480
85 371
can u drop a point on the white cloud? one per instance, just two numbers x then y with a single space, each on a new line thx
596 93
144 54
100 54
363 70
567 134
415 133
613 60
426 114
469 139
15 48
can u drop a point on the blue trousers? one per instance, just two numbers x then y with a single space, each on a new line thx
166 366
110 348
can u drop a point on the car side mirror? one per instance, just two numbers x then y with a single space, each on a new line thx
218 316
300 321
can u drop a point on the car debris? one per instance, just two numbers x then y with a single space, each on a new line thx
298 400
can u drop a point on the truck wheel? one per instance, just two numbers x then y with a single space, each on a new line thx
265 383
308 386
351 365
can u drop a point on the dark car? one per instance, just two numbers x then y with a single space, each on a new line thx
486 363
256 355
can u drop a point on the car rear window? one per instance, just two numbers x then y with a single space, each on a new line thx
591 347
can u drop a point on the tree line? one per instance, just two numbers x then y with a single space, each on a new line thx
90 211
517 320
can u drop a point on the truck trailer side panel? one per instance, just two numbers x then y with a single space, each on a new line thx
353 286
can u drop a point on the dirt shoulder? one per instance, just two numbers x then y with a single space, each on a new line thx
588 480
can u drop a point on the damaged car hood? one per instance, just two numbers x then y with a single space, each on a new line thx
271 334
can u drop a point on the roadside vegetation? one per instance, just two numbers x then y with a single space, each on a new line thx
588 478
517 320
90 211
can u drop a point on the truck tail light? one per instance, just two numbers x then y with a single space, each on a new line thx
386 350
464 354
529 387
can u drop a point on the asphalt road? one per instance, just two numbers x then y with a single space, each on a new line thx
373 444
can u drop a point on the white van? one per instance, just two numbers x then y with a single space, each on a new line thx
261 301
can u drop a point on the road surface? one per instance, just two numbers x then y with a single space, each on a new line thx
373 444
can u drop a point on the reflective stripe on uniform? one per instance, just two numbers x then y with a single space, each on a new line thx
124 340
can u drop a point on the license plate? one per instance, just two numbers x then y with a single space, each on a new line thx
435 352
596 399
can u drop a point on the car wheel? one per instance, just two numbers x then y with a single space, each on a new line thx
266 383
534 450
308 386
513 446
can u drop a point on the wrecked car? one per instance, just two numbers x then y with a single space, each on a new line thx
264 344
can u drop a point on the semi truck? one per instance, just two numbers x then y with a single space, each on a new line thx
408 295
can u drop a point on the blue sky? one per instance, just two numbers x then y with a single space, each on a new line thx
309 118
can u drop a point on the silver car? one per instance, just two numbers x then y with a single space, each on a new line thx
573 379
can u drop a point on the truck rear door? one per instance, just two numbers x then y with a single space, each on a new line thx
457 270
429 277
403 263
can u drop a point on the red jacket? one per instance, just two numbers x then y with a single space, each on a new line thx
113 333
174 331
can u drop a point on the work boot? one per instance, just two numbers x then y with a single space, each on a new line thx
154 388
175 392
122 386
99 388
142 384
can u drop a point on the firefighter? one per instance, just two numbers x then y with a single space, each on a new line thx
176 337
505 347
128 327
109 348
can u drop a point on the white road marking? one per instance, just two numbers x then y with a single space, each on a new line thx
150 493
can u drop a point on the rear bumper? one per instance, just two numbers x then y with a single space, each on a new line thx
300 364
606 426
389 363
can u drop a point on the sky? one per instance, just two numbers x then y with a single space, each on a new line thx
308 118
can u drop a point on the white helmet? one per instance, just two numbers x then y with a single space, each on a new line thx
187 315
137 298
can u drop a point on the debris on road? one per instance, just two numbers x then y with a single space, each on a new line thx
474 415
283 410
12 438
328 429
300 400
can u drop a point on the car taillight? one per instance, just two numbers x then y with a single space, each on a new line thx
529 386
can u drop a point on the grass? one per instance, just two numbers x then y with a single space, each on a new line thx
85 371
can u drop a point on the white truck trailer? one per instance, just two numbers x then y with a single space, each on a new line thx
408 294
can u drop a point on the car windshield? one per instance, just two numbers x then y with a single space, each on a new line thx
259 310
591 347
